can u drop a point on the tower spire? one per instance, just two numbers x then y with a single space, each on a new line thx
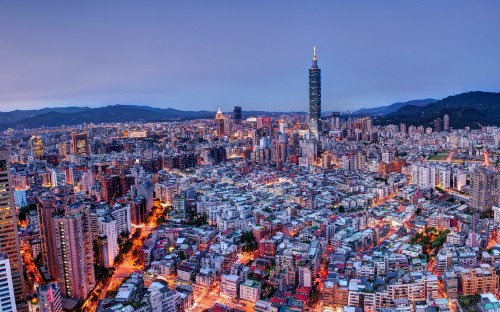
314 58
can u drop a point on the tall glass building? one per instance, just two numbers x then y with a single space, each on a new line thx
314 96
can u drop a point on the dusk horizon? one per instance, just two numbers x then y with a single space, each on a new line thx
220 54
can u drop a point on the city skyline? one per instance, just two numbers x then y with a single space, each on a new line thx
231 156
192 60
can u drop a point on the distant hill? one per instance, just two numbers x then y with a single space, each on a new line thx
17 115
386 110
55 117
471 109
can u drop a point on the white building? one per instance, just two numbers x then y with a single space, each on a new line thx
423 176
230 285
250 290
161 298
123 219
8 302
108 227
305 277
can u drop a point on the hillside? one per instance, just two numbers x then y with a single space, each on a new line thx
17 115
471 109
385 110
55 117
111 113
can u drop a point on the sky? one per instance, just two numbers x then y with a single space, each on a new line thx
196 55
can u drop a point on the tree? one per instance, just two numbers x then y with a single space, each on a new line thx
23 212
137 233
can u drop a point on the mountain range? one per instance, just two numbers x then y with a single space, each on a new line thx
386 110
471 109
58 116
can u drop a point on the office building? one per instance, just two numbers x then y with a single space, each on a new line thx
80 144
219 123
36 146
237 115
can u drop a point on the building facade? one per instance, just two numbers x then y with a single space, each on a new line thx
9 242
74 253
49 298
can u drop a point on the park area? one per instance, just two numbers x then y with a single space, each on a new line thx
442 156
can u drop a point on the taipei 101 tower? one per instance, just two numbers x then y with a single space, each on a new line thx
314 96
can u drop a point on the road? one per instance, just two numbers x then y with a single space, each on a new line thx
122 271
34 276
204 299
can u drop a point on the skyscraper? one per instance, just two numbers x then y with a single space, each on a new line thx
219 123
80 144
9 242
314 96
47 206
438 124
237 114
446 122
74 254
483 183
36 146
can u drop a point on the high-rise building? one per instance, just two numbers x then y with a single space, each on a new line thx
483 183
74 252
80 144
438 124
47 206
219 123
111 187
335 121
9 242
446 122
108 227
180 205
103 251
49 298
402 128
8 302
237 114
314 96
36 146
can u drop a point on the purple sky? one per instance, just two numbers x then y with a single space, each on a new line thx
205 54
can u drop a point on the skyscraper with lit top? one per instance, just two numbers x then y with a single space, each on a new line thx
219 123
314 96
